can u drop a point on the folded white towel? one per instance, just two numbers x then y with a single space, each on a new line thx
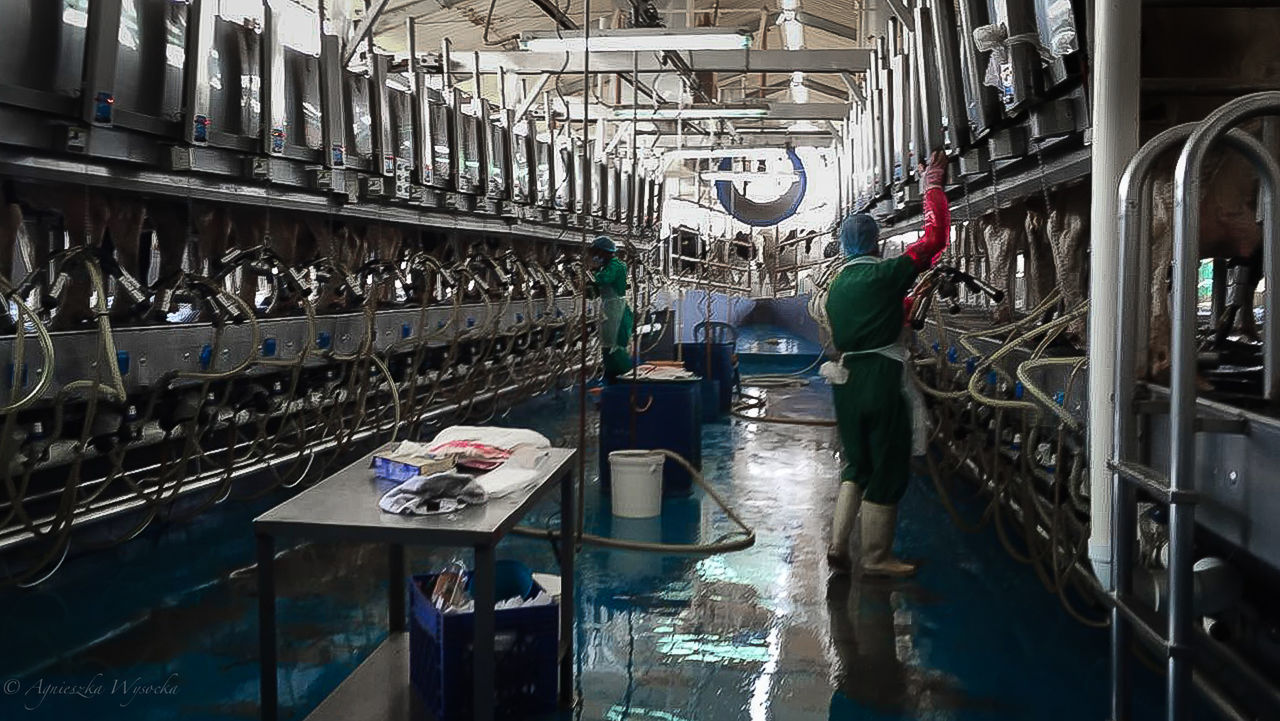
494 436
520 471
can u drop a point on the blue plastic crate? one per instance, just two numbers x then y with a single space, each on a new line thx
440 654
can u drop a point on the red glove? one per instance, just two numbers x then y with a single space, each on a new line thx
934 174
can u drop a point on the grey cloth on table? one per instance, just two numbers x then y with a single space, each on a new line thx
436 493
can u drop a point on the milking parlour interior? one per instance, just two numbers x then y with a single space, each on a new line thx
640 360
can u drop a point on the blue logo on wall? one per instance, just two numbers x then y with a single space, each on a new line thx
767 213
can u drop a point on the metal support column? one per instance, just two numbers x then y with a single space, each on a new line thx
266 628
485 620
397 591
1116 92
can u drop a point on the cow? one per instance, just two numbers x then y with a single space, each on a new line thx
1229 228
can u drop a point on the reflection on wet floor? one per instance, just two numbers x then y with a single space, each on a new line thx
759 634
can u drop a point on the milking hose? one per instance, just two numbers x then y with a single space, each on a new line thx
46 347
747 540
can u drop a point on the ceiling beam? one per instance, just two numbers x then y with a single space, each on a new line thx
821 87
719 61
362 31
777 139
817 22
777 111
903 14
855 92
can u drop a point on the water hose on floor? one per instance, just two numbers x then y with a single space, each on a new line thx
725 544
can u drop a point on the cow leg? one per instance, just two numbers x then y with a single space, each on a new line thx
249 229
213 238
284 243
1040 276
84 218
1068 232
10 230
125 230
1003 231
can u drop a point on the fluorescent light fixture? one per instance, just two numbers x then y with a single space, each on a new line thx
636 40
709 111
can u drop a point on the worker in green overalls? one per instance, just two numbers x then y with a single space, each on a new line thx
609 283
873 408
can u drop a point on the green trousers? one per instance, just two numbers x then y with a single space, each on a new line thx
874 422
618 324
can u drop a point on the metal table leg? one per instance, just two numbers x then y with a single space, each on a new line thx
267 627
483 663
568 551
396 590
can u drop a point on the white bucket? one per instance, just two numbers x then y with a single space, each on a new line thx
637 483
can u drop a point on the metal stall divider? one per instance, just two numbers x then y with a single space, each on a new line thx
899 152
102 46
613 202
275 119
357 108
42 61
595 160
873 126
626 196
1059 68
932 94
149 68
1056 24
382 150
523 162
917 145
331 175
1177 489
946 60
982 105
887 116
580 157
1020 73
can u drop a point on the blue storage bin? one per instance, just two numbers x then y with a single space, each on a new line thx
722 368
441 651
666 415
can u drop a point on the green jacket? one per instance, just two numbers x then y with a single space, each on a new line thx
864 303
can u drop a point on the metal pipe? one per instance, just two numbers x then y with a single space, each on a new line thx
1182 386
1115 140
1134 302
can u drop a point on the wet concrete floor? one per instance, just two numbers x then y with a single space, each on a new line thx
759 634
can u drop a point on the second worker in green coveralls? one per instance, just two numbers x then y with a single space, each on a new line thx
609 282
873 414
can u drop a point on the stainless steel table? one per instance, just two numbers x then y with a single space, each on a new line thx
344 507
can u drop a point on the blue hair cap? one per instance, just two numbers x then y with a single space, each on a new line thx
604 243
859 235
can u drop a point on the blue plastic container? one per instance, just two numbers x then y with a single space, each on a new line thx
665 415
722 368
441 649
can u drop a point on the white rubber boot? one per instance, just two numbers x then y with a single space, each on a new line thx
878 522
842 527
